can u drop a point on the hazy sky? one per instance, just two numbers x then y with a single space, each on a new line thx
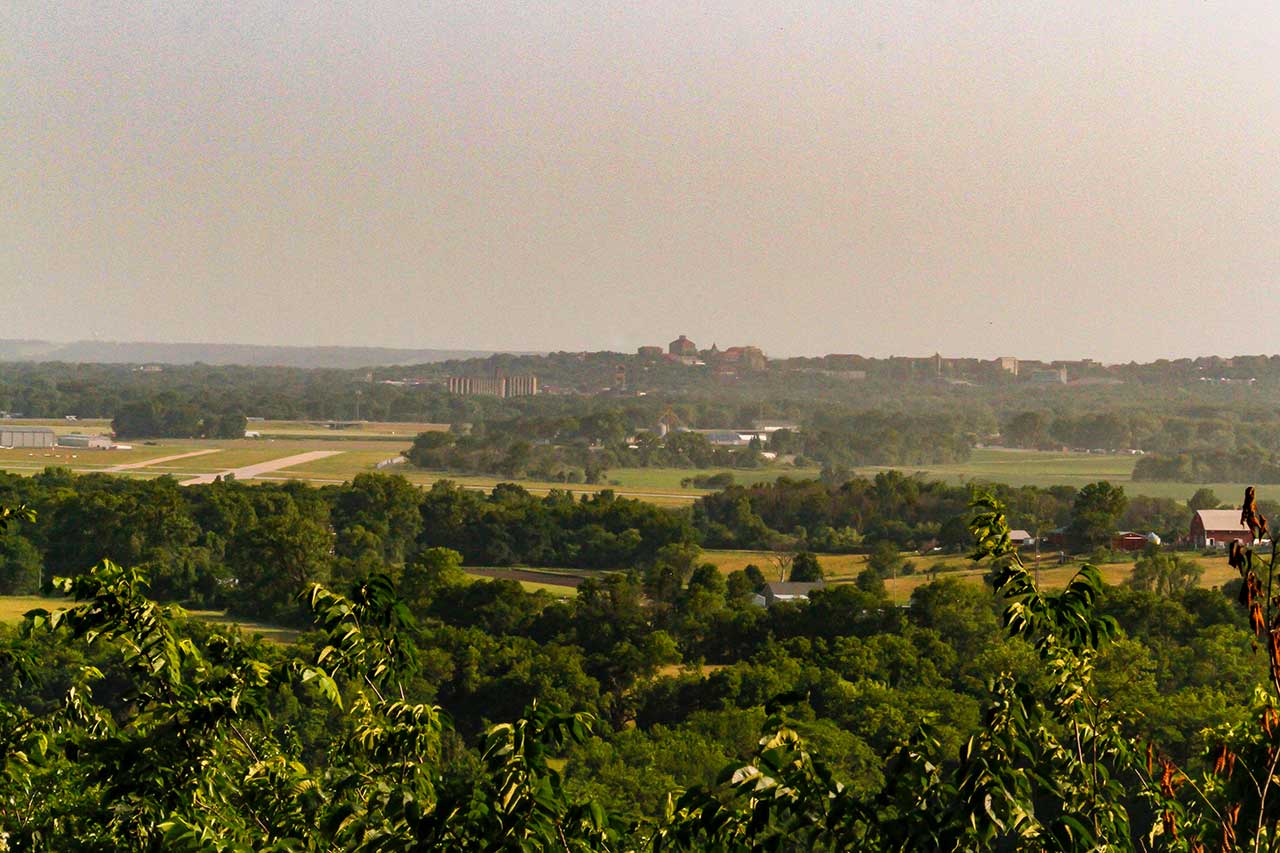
1058 180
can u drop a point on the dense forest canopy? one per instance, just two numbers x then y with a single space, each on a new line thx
679 715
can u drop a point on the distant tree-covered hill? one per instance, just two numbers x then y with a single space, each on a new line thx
126 352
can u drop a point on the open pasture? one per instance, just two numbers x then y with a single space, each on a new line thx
669 479
399 430
14 607
345 465
841 568
31 459
1048 468
270 633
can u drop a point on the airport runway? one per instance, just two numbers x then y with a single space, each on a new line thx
248 472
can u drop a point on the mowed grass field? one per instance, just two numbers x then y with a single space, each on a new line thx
24 459
1046 468
669 479
380 431
14 607
361 449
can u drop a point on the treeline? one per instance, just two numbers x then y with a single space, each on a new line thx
1249 465
1185 428
250 547
246 547
167 417
870 722
850 515
571 449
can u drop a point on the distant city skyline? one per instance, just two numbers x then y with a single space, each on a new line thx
486 352
1047 181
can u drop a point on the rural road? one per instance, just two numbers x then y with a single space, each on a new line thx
248 472
129 466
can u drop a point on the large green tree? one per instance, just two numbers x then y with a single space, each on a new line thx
1095 515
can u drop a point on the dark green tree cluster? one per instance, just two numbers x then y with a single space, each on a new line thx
165 416
1001 718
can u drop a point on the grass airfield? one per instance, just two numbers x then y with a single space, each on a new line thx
362 448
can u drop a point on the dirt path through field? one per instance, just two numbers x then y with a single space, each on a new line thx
248 472
129 466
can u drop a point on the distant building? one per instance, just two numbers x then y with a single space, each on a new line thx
683 346
525 385
1008 364
1218 528
91 442
1128 542
751 358
726 437
788 591
1051 376
17 436
774 426
843 361
1020 537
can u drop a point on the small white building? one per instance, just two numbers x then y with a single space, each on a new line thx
786 591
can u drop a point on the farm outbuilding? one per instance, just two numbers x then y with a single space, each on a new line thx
788 591
1218 527
17 436
1128 541
92 442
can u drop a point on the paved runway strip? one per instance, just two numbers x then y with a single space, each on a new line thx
248 472
129 466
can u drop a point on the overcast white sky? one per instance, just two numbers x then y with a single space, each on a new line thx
979 178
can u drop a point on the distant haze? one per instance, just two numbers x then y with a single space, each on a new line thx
976 178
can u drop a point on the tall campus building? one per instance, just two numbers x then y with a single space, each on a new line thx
524 385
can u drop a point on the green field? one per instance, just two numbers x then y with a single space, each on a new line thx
362 449
344 466
1044 468
405 430
845 567
669 479
14 607
79 458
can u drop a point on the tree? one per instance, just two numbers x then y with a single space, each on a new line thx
1095 514
870 581
226 425
20 566
1027 429
286 551
1204 498
386 505
806 568
1164 573
885 560
137 420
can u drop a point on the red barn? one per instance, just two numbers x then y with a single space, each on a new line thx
1218 527
1128 542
